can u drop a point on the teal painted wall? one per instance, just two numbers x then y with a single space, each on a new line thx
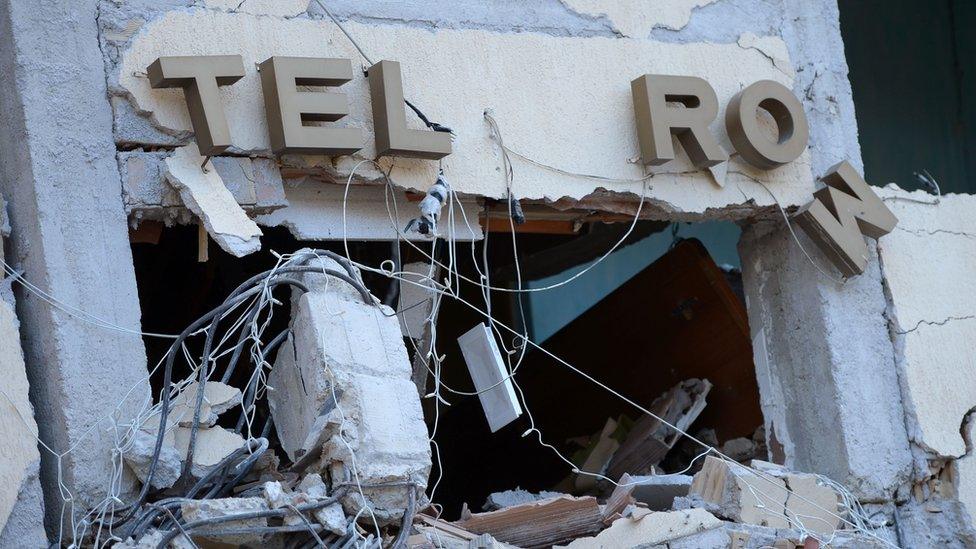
913 71
551 310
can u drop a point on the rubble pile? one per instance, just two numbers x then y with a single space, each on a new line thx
342 458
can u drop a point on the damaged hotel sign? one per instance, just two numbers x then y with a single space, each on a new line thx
667 109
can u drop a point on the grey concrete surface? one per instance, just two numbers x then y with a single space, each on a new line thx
58 172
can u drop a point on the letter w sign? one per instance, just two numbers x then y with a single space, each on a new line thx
841 214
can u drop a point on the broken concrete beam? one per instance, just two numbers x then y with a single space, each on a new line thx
658 491
21 507
342 399
650 439
255 183
740 494
651 529
935 523
540 523
204 193
194 510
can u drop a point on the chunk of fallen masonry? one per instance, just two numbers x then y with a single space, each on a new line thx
213 443
342 400
204 193
195 510
217 399
774 497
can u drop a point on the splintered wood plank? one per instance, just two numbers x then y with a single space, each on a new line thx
540 523
619 499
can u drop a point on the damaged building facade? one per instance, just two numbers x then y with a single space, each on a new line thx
299 273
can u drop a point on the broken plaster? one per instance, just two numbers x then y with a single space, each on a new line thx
636 18
204 193
280 8
456 93
925 262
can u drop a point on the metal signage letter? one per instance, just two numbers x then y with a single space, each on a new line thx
657 121
841 214
288 109
199 77
747 136
393 138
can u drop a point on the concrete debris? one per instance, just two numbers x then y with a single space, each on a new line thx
934 523
217 399
204 193
539 523
746 536
139 454
511 498
650 440
150 540
657 492
255 184
649 529
774 497
194 510
212 445
740 449
741 495
20 491
341 397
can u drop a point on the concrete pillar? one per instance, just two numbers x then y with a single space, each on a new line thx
69 236
824 358
825 365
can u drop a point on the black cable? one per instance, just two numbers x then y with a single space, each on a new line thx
187 528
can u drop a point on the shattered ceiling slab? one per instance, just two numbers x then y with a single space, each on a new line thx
527 80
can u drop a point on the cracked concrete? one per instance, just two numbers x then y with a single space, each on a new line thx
602 117
636 18
932 323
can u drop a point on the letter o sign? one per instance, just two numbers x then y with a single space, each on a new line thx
748 137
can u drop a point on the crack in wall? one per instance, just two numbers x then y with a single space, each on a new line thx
935 323
924 232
